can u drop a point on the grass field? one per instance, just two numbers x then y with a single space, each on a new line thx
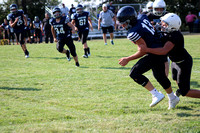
46 93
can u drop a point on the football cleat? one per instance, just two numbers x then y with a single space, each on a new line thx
174 102
26 56
112 42
85 56
68 55
77 64
156 99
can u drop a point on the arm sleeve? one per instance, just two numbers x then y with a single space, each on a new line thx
133 36
67 20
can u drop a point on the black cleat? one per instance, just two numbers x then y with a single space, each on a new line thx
77 64
68 55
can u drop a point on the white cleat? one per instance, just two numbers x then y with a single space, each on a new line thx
85 56
173 103
89 54
26 56
68 58
156 99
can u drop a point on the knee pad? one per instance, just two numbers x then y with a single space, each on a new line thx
164 82
22 42
60 49
73 53
182 92
140 79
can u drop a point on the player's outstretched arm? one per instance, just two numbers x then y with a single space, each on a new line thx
158 51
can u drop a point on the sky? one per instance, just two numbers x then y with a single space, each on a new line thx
68 3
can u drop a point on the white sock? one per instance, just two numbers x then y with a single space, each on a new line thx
171 96
154 91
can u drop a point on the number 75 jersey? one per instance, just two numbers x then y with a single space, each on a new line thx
143 29
61 28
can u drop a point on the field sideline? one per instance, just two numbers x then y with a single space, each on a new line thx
46 93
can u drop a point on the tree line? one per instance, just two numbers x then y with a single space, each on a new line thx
37 7
31 7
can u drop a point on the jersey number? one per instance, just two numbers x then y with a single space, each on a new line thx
61 31
146 24
19 22
82 22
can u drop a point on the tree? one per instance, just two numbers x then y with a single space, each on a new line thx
31 7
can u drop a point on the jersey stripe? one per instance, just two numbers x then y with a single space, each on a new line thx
133 36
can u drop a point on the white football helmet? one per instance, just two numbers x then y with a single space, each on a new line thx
149 6
157 4
172 20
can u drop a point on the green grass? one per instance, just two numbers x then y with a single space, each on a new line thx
46 93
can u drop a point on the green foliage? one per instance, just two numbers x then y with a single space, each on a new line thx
46 93
31 7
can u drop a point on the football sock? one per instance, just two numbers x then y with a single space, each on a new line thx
88 50
154 91
85 50
171 96
77 64
26 52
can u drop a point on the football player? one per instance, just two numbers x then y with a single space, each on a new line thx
27 29
18 21
6 30
140 31
174 48
159 10
60 28
37 27
149 7
82 22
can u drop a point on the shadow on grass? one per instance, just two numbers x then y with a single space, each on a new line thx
117 68
83 67
100 56
56 58
184 108
22 89
196 58
195 84
187 115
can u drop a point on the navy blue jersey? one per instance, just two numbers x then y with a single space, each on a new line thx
81 20
37 24
19 27
5 26
155 18
143 29
61 28
28 22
